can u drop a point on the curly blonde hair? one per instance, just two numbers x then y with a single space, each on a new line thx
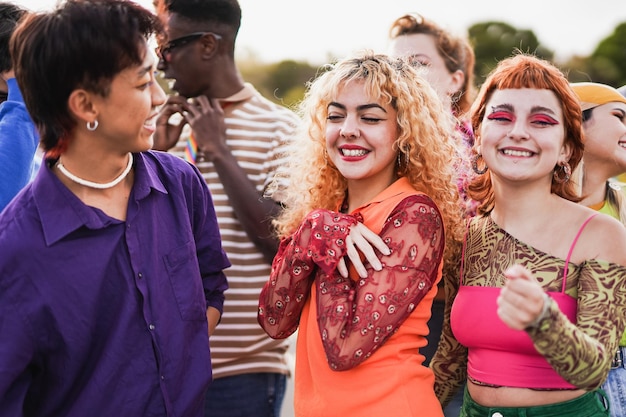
426 139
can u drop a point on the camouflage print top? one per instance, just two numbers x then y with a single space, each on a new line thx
580 353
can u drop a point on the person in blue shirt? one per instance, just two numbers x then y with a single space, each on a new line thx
111 266
18 136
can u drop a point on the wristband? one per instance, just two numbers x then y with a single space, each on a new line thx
544 312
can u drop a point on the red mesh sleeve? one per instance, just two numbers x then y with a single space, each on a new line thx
316 247
356 317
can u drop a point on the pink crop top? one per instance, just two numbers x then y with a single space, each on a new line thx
497 354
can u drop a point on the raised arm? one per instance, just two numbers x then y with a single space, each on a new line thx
356 317
319 242
581 353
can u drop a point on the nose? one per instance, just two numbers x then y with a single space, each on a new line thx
350 128
518 131
162 64
158 95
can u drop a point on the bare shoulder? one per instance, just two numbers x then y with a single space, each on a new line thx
604 239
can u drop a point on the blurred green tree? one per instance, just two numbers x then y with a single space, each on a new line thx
283 82
494 41
606 64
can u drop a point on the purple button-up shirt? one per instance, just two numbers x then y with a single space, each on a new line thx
101 317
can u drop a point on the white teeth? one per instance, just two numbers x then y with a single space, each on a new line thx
353 152
622 144
511 152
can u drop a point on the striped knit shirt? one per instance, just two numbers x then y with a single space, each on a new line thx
257 134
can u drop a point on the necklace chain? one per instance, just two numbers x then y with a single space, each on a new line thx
97 185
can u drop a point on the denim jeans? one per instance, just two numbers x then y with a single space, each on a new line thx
453 409
615 388
246 395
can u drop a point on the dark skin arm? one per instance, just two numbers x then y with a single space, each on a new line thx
206 119
167 134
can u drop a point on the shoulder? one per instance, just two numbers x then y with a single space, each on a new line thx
259 108
603 238
417 198
20 227
416 206
171 170
165 161
163 158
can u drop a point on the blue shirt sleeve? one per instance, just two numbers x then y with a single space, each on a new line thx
18 143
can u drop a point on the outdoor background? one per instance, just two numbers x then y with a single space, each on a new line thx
283 43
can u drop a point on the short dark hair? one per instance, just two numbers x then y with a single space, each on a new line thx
10 15
216 12
80 44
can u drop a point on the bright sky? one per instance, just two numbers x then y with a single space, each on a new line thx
273 30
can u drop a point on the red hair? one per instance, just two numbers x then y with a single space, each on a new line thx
527 71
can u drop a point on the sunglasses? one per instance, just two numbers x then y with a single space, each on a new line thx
164 52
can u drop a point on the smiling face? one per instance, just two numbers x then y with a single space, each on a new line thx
360 133
127 114
522 135
605 138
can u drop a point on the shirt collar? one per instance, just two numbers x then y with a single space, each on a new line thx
401 185
245 93
146 176
62 212
15 94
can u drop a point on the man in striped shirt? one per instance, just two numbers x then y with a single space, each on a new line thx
236 140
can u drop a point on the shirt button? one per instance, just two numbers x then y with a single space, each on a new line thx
140 275
162 378
151 327
496 414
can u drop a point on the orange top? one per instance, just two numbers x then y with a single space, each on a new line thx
393 381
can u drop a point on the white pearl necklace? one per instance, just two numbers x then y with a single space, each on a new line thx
97 185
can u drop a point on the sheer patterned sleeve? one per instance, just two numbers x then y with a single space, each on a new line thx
356 317
450 360
582 353
317 246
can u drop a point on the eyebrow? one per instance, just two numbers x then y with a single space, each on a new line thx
143 70
511 108
358 108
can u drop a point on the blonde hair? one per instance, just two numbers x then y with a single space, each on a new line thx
425 138
614 197
617 200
